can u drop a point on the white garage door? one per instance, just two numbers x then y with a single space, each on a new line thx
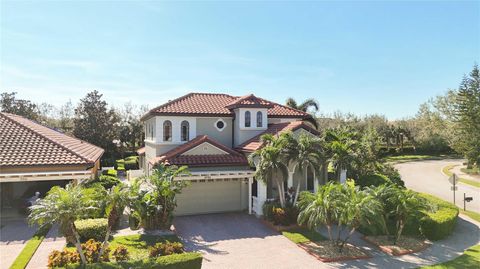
213 197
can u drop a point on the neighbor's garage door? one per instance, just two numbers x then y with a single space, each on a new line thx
212 197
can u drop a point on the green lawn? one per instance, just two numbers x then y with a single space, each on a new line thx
474 170
471 214
302 235
446 171
138 244
32 245
405 158
469 259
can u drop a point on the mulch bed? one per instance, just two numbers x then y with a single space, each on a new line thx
279 228
327 251
406 245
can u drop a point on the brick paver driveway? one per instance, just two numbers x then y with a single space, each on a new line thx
237 240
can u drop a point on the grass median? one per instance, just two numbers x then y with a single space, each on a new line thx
446 171
30 248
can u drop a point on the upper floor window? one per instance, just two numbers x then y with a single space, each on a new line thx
259 119
248 121
185 130
167 130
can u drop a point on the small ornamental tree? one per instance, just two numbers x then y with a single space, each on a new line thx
153 197
64 206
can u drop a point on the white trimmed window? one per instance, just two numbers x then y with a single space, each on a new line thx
248 119
259 119
167 130
220 125
185 130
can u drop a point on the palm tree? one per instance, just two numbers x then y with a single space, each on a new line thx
63 206
320 208
304 152
342 147
116 201
155 200
407 204
271 159
309 103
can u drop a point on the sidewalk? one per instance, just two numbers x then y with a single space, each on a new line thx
465 235
53 241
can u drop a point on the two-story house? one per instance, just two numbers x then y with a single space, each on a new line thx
213 134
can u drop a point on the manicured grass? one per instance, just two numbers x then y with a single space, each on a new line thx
138 244
446 171
302 235
474 215
406 158
473 171
32 245
469 259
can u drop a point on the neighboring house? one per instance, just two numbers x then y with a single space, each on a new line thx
213 134
34 158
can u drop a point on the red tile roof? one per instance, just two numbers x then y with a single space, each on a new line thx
256 142
24 142
214 104
175 157
249 101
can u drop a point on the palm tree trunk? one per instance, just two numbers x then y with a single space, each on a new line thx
346 238
296 193
107 235
329 229
77 243
325 172
281 194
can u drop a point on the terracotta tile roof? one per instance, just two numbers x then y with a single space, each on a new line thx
25 142
275 129
215 104
175 157
249 101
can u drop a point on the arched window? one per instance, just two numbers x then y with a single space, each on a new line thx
259 119
167 130
185 130
248 121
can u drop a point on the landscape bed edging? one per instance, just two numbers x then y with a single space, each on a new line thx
389 251
338 259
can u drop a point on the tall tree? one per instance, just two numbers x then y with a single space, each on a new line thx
304 106
467 117
95 123
10 104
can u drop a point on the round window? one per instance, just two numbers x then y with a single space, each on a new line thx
220 124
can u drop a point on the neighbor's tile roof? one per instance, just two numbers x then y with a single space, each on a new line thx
215 104
24 142
275 129
175 157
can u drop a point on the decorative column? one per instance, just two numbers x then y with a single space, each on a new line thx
343 176
250 181
261 197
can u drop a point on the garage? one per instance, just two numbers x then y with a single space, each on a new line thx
213 196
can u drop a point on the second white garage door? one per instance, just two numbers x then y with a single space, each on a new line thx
213 197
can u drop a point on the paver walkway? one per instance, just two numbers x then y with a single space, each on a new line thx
13 237
53 241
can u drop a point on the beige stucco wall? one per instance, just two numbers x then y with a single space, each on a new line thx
206 126
205 149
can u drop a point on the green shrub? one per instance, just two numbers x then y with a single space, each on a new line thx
440 223
165 248
188 260
63 258
91 249
121 254
92 229
267 209
373 180
392 173
110 172
105 180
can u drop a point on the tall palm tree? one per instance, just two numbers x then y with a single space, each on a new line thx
342 147
116 201
304 106
271 159
308 103
63 206
305 153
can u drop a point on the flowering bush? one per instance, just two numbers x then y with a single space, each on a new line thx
167 248
62 258
120 253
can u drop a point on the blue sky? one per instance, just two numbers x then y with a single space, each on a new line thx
361 57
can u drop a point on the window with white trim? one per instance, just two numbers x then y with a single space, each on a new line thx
259 119
248 119
167 130
185 130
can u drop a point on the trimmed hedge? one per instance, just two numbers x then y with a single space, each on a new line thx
92 229
439 224
106 181
188 260
373 180
110 172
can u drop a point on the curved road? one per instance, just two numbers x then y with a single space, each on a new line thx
427 176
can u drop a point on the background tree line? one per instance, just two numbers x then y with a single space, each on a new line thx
118 130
